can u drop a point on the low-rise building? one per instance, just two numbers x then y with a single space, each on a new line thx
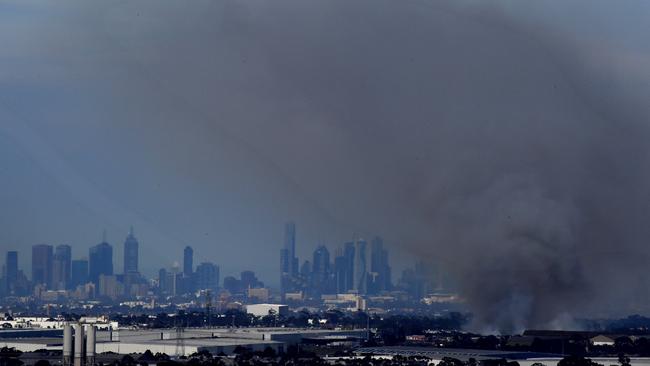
267 309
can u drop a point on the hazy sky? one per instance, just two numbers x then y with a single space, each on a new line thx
211 123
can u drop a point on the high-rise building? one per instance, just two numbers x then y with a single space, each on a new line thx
131 253
285 276
379 267
285 267
290 246
340 267
61 267
321 270
162 280
348 253
360 268
288 260
11 272
188 260
100 261
42 265
207 276
79 273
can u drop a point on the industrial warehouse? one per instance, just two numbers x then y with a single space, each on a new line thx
81 343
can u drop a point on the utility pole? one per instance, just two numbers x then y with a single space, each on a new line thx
367 326
208 307
180 341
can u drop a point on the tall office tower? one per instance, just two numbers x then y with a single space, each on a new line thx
42 265
61 267
188 260
11 272
348 253
285 277
78 273
360 268
100 261
207 276
339 271
131 253
321 270
285 267
162 280
290 246
379 266
288 262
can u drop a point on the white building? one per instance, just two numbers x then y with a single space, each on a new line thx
267 309
36 322
601 340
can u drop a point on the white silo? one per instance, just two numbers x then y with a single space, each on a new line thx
67 345
79 359
91 343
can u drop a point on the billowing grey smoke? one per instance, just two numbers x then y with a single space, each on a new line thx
505 143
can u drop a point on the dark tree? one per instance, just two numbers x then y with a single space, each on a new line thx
450 361
576 361
127 360
623 359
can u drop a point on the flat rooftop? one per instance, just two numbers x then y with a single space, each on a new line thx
462 354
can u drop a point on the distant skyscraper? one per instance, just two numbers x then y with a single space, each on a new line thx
100 261
285 267
348 253
290 246
340 267
321 270
11 271
79 273
379 266
42 265
288 260
360 268
285 275
162 280
207 276
188 260
61 267
131 253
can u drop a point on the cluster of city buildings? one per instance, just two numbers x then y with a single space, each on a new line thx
359 268
56 276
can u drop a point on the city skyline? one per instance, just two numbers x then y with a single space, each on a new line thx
150 266
55 266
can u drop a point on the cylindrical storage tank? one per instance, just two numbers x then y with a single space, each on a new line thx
79 359
67 345
91 343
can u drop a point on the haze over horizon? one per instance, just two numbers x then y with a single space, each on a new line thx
507 140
